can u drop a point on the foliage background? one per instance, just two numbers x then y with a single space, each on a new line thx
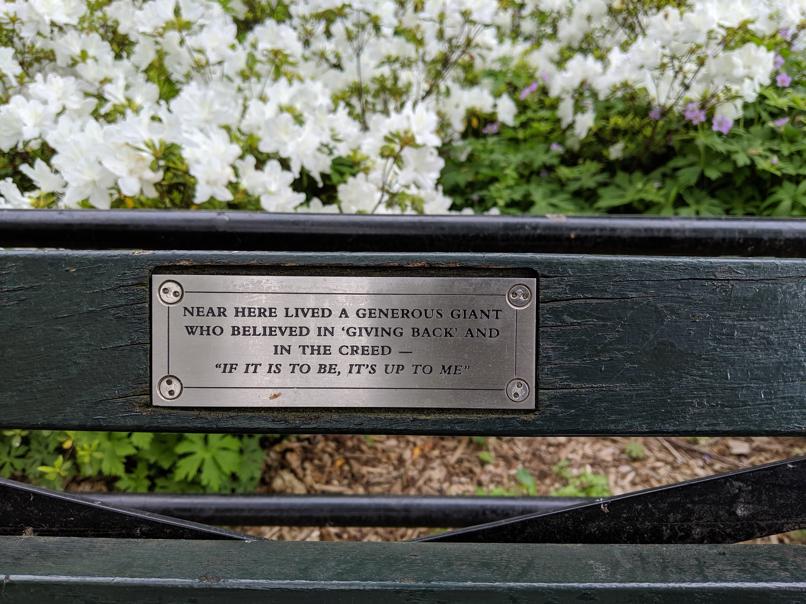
663 167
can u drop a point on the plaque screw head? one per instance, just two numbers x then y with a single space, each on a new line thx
170 292
170 387
517 390
519 296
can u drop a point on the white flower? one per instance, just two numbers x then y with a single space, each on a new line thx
272 184
358 195
435 202
616 150
59 93
10 196
154 15
580 68
278 133
133 170
200 106
62 12
284 200
8 64
80 148
316 206
422 121
421 167
210 155
565 111
270 36
10 128
32 115
45 179
729 109
505 109
583 123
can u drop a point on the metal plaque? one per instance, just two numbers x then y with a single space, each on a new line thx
282 341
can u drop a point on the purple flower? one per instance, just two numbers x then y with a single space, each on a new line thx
556 147
774 160
778 61
786 33
780 122
783 79
545 76
528 90
491 128
694 114
722 124
655 114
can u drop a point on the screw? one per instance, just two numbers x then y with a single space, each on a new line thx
171 292
170 387
519 296
517 390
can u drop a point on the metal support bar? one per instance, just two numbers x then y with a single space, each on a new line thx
725 508
116 229
335 510
29 510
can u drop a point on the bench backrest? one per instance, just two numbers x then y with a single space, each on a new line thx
634 341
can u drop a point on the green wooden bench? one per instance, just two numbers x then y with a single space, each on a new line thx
643 327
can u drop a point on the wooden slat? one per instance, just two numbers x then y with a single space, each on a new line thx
38 569
626 345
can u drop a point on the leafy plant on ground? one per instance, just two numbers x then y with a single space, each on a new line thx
526 484
486 455
134 461
582 484
635 450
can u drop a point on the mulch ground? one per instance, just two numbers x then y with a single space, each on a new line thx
468 466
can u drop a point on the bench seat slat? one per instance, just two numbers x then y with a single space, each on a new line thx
74 569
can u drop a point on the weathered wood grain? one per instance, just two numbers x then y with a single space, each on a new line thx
634 345
37 569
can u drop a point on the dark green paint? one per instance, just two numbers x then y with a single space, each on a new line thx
36 569
626 345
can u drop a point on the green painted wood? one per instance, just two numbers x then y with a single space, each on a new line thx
634 345
35 569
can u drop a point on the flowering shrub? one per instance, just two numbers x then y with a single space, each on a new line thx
356 107
696 110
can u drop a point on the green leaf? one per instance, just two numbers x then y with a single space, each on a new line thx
250 468
485 457
12 457
136 481
114 448
213 457
687 177
527 481
142 440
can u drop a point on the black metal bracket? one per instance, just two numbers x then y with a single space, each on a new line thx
724 508
30 510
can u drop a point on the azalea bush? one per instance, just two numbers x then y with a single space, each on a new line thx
404 106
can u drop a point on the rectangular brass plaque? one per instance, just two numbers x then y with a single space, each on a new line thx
283 341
